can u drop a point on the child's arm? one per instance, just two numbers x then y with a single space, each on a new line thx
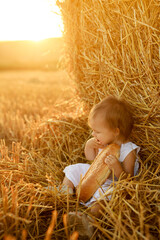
127 166
91 149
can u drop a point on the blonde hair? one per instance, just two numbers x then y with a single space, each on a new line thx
116 114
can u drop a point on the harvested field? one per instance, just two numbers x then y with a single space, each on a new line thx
38 127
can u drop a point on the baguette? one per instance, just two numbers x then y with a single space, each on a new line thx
97 173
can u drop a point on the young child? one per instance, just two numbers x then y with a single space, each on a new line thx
111 122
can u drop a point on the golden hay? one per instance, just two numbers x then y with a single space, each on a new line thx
132 212
26 170
37 162
112 48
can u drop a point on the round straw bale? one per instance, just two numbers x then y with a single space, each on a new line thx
112 48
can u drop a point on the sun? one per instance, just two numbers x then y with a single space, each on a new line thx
29 20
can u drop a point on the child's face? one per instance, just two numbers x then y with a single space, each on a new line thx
103 134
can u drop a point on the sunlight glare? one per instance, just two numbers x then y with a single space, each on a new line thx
29 20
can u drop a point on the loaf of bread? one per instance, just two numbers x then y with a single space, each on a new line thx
97 173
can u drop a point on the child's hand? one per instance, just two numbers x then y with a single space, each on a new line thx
91 148
112 162
93 143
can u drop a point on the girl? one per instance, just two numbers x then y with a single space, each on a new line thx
111 121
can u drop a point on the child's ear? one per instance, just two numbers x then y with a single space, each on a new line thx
117 132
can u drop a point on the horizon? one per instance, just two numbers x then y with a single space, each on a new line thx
28 40
30 55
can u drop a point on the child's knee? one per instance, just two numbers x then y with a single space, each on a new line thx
67 182
95 210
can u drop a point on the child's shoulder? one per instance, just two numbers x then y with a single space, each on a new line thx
126 148
128 145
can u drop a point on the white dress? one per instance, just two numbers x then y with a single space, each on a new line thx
74 172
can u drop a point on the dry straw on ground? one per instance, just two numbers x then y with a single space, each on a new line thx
26 206
132 212
28 167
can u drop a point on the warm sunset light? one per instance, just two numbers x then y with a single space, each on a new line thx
29 20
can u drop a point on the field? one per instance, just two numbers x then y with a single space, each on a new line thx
31 55
35 112
41 131
27 96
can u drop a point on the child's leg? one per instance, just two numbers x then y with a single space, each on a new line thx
73 175
96 208
67 182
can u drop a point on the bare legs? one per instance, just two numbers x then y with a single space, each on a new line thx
95 209
66 182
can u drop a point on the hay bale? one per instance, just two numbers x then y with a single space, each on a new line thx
112 49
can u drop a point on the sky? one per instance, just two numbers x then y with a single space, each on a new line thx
29 20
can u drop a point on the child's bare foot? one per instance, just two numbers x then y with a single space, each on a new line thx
82 224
